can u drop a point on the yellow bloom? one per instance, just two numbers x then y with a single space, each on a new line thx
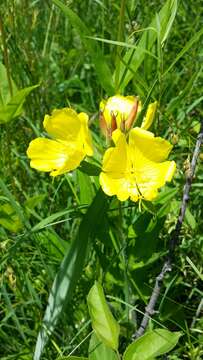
136 169
121 112
72 142
148 119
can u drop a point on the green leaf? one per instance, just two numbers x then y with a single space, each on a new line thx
5 94
166 195
14 107
190 219
99 351
103 322
102 70
70 271
153 343
134 58
86 188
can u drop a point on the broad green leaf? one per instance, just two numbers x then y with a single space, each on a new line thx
70 271
5 94
14 107
154 343
102 70
134 58
86 188
103 322
99 351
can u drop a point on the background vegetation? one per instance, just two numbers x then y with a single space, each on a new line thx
40 216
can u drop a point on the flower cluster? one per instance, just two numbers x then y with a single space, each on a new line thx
135 167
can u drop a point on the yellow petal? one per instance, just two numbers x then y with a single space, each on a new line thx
150 176
63 124
153 148
148 120
50 155
115 158
85 134
72 144
135 169
114 186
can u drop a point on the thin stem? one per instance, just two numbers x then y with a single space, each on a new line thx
173 241
48 31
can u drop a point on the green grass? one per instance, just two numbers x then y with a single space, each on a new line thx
40 217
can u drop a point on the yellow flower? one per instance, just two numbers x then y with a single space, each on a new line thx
72 142
136 169
121 112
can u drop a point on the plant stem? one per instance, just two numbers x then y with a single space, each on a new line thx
48 31
124 261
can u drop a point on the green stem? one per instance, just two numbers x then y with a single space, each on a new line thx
124 260
72 189
48 31
119 38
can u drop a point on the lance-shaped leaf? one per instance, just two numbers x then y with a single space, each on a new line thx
14 107
5 88
103 322
70 271
154 343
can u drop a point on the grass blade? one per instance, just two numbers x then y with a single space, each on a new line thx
14 107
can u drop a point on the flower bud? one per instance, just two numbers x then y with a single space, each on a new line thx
118 112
